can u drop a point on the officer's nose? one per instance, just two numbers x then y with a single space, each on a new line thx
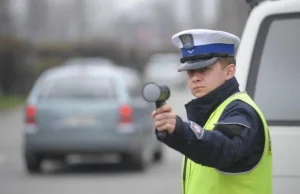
197 76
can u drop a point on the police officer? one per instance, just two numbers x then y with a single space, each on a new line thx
225 142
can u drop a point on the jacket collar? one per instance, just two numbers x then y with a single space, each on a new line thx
199 110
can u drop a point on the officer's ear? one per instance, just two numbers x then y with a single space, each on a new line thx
228 65
230 71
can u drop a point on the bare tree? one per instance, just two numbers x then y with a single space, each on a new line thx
36 20
233 16
230 15
6 22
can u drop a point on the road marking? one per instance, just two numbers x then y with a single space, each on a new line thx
2 158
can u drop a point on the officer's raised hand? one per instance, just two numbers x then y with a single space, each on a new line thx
165 119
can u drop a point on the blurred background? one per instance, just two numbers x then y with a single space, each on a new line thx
38 35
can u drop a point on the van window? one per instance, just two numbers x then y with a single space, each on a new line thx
79 87
274 78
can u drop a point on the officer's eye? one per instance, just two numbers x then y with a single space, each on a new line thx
204 69
190 73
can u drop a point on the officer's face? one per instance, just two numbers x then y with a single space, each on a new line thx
204 80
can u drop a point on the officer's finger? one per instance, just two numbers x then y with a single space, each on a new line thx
165 115
164 108
172 121
160 123
165 127
154 113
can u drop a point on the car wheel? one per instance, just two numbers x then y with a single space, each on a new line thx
143 161
158 155
33 162
139 161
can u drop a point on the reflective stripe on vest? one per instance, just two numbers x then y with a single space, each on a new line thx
205 180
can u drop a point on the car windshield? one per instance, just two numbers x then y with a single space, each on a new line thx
164 63
79 87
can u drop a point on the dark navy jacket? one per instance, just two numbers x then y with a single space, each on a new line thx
236 148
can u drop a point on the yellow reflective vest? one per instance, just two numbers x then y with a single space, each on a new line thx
200 179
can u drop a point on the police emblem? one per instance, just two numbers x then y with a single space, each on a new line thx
195 127
197 130
187 41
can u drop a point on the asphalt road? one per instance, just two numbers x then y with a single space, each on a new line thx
161 178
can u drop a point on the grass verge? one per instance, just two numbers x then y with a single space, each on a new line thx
11 101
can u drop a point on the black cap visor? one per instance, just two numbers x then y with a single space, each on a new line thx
201 63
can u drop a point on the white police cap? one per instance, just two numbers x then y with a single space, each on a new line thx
201 47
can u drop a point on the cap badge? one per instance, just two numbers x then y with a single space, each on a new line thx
187 41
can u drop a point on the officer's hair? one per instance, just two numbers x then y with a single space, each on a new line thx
227 61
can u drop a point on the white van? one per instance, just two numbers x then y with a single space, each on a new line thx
268 68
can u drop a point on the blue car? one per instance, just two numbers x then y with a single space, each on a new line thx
88 109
